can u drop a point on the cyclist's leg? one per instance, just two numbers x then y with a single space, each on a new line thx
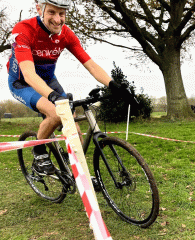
42 162
21 91
51 122
28 96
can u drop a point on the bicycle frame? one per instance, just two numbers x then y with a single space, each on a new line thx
95 132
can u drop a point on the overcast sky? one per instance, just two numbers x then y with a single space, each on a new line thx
74 78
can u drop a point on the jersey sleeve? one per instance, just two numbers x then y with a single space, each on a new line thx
21 36
74 46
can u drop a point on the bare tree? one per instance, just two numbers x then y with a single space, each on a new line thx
161 27
5 30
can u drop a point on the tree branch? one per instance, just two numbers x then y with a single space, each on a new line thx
161 16
186 34
130 24
4 47
177 8
185 20
151 18
165 5
113 44
102 6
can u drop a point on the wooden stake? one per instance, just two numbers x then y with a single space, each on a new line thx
70 131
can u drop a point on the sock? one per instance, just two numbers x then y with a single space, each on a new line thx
40 149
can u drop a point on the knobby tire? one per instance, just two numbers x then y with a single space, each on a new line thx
134 196
48 187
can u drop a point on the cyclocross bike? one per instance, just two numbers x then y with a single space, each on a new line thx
122 175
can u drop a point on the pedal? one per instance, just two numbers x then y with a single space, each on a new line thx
95 183
41 174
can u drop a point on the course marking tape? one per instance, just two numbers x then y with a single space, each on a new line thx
141 134
9 135
8 146
55 135
163 138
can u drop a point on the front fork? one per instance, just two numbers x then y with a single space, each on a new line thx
95 131
126 179
98 146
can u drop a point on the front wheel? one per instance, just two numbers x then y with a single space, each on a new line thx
126 182
49 187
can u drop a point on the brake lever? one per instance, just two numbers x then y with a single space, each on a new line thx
133 95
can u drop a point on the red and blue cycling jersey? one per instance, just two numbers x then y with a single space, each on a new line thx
33 42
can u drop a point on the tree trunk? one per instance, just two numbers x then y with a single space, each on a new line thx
177 103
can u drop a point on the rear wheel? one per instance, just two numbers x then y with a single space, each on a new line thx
126 182
49 187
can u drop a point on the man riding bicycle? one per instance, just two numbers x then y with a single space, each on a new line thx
37 44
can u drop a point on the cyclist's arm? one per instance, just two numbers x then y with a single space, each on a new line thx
30 76
97 72
74 46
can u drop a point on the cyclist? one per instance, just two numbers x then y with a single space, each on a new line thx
37 44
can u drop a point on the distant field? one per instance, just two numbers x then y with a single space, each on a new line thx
158 114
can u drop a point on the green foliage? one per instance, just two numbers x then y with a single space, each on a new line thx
17 109
145 106
117 111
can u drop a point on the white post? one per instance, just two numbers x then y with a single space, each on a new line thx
128 115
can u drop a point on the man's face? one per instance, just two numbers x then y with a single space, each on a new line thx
54 18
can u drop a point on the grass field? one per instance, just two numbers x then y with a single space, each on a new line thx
158 114
25 216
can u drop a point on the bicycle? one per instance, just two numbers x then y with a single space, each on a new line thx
123 176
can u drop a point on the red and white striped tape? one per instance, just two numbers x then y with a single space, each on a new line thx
56 135
141 134
8 146
9 135
163 138
99 228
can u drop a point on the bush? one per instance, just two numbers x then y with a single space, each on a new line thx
117 111
145 106
17 109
